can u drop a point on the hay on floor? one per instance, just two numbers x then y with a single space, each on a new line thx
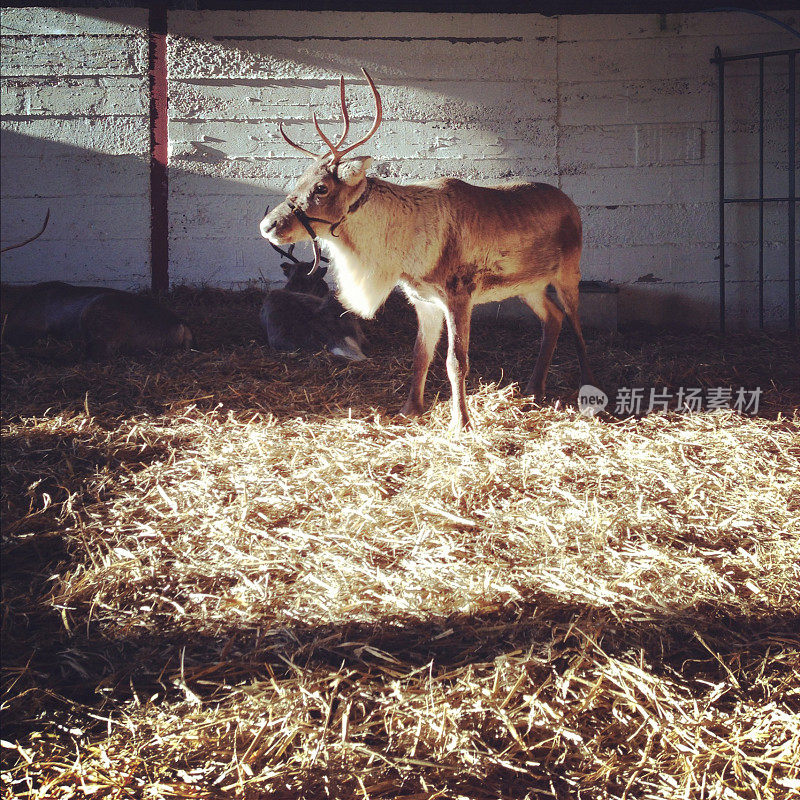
231 573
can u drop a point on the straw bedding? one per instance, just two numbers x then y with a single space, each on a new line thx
229 573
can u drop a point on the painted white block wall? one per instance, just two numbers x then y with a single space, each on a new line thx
75 139
620 111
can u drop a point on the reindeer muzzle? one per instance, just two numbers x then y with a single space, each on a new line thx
305 221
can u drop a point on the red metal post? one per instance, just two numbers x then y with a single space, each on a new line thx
159 148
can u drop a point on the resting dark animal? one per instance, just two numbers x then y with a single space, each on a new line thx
305 315
298 279
107 321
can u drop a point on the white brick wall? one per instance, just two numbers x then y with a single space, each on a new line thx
75 139
619 110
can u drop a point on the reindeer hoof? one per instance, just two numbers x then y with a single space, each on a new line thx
410 410
456 429
535 392
459 424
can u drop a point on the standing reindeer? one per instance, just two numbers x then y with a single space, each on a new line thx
448 244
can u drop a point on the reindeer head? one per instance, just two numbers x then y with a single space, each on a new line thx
327 190
298 277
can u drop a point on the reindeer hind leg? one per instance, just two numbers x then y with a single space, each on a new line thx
566 286
551 317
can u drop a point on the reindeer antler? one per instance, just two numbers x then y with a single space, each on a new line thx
284 253
294 144
337 154
334 151
290 255
335 147
28 241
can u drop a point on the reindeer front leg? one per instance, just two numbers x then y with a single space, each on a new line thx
429 319
458 315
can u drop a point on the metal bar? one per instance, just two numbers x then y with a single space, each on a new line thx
159 148
720 59
792 196
790 199
758 199
761 193
721 124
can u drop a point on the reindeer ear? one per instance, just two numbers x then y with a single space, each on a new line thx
321 272
287 268
352 171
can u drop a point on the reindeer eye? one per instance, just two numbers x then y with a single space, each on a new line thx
320 188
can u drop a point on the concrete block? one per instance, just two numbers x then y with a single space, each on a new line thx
82 174
400 59
73 55
669 144
741 260
56 137
630 145
425 101
483 172
610 27
231 262
74 21
639 225
188 187
74 97
206 218
741 142
360 25
741 94
741 223
530 139
277 176
642 186
626 264
123 264
651 264
583 148
641 101
76 219
242 176
668 58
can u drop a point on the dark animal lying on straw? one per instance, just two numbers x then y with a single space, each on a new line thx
107 321
305 314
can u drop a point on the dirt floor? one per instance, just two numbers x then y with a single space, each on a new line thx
233 573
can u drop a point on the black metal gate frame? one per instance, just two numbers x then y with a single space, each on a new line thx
791 197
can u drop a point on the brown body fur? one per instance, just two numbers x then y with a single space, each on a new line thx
107 321
450 245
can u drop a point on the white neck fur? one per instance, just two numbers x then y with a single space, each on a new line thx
386 237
